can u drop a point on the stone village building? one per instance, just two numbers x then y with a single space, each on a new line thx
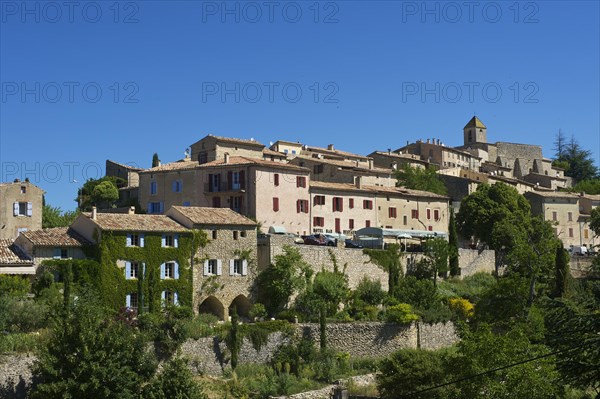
20 208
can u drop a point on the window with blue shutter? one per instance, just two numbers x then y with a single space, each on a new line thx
163 241
127 270
162 271
56 253
128 300
176 241
244 267
16 209
141 240
161 206
128 241
174 186
175 270
153 187
175 299
29 209
186 203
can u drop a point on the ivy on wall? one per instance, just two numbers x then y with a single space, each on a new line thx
114 286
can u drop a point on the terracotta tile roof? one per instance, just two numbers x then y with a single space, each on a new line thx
268 151
238 160
347 165
136 222
10 254
178 165
375 189
554 194
213 216
56 237
237 141
336 152
128 167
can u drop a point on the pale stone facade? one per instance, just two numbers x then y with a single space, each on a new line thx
562 209
20 208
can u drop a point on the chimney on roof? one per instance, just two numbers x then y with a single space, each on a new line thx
94 213
226 157
389 151
428 141
17 180
438 141
358 181
131 210
330 147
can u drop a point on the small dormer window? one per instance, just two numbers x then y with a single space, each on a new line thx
23 189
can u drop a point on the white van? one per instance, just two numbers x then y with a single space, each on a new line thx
580 250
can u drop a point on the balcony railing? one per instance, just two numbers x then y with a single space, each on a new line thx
221 187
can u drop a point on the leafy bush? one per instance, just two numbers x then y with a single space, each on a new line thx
401 314
418 293
22 315
14 286
258 312
438 313
22 342
175 381
462 308
369 291
289 315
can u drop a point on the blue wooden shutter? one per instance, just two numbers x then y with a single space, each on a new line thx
176 240
161 206
29 209
231 267
128 242
128 300
244 267
16 209
141 240
174 186
176 270
206 267
163 241
162 271
149 208
127 270
175 299
219 267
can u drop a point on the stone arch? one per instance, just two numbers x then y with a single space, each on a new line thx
242 304
213 306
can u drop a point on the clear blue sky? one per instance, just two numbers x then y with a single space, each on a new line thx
372 75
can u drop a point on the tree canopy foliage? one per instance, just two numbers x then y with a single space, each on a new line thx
55 217
425 179
576 161
101 192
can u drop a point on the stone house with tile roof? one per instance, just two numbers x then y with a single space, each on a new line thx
53 243
226 268
20 208
211 148
13 260
263 190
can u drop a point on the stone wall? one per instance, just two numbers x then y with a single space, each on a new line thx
15 375
362 340
473 261
357 263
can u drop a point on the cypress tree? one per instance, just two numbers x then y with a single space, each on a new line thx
562 270
453 246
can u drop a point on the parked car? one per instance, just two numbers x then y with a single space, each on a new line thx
580 250
318 239
352 244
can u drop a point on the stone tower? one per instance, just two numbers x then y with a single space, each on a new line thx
475 132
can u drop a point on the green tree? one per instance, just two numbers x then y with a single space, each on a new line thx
155 160
174 382
590 186
92 355
436 255
421 294
408 371
482 212
574 330
55 217
424 179
331 288
595 221
481 351
453 246
234 341
14 286
276 284
578 161
388 260
88 196
562 270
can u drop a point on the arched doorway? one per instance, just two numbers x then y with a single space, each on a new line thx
242 304
213 306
